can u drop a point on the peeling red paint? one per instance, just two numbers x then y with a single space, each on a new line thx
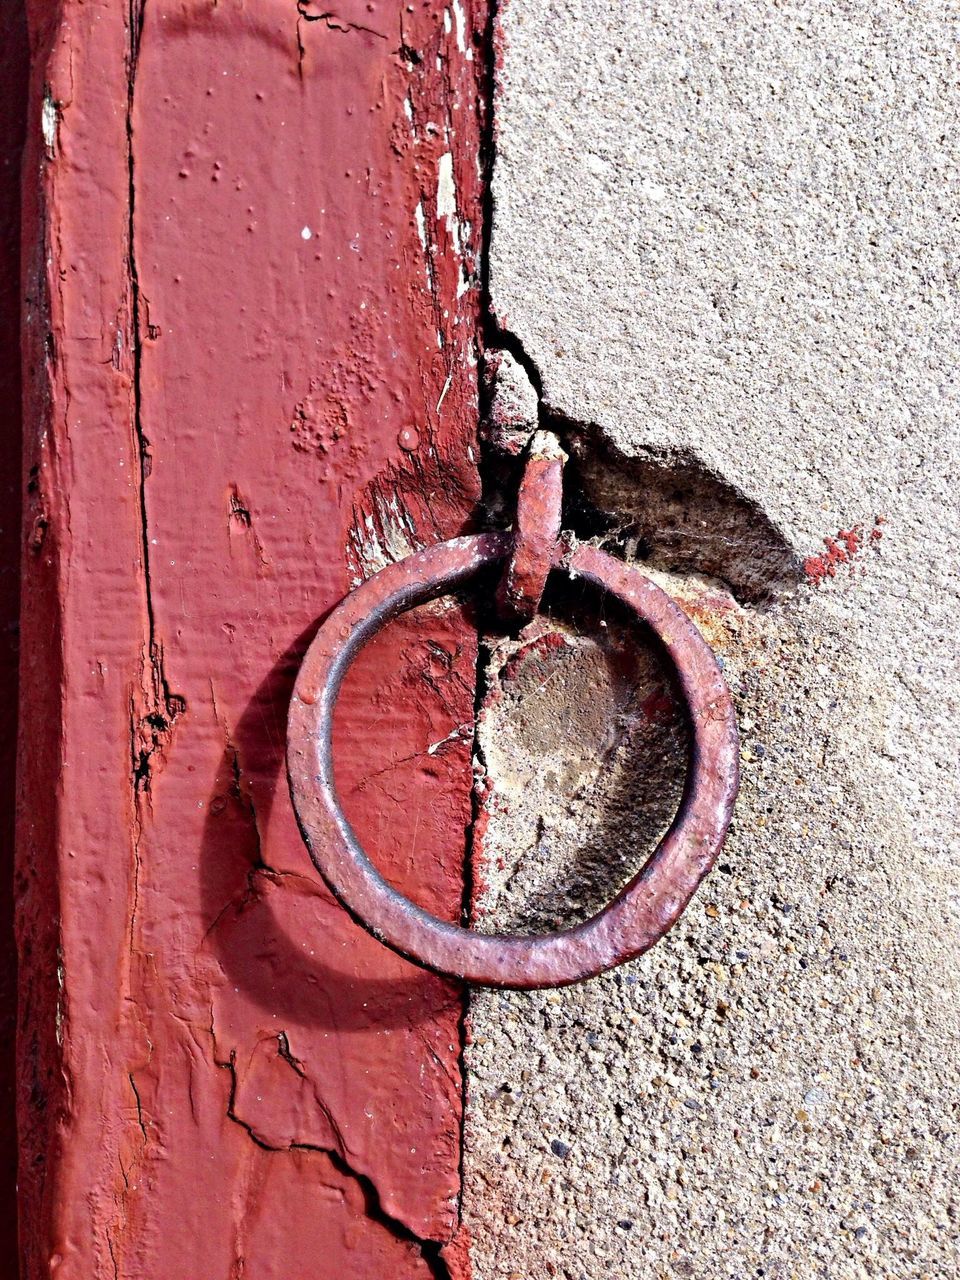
456 1256
246 388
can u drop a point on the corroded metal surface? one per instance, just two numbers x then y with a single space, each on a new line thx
536 530
653 900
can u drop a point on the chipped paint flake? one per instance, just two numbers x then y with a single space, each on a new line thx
381 536
48 123
421 224
461 24
443 393
462 731
447 198
446 191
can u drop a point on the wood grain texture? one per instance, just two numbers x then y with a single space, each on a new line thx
251 355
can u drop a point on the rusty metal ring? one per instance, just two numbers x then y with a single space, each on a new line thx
643 911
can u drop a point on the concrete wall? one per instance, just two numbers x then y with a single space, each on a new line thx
725 237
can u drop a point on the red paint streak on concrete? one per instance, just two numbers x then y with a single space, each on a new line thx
839 551
14 62
265 393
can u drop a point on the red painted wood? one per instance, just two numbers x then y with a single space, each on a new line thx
251 380
14 64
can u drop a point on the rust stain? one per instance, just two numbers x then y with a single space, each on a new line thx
715 614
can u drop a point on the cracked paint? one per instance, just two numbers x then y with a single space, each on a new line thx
232 422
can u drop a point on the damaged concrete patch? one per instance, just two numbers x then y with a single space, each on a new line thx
580 725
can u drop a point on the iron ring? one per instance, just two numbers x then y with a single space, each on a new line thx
643 910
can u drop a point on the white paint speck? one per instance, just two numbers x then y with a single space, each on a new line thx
306 233
421 224
443 393
447 198
48 123
461 28
446 191
653 191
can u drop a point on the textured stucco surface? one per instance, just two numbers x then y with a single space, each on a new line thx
726 238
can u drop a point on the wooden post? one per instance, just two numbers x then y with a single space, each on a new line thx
251 339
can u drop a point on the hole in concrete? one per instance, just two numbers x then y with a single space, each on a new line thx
585 743
675 514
